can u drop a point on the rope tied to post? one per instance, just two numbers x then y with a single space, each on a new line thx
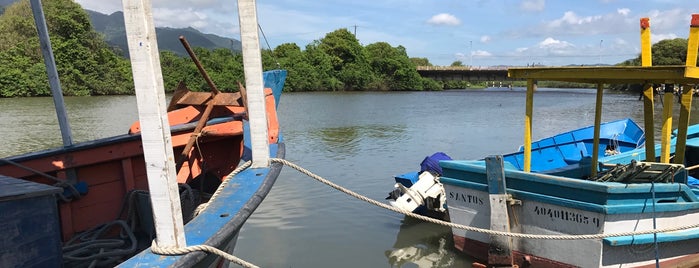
180 251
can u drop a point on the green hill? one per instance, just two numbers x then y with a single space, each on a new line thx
112 26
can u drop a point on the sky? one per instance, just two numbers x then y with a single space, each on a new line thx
478 33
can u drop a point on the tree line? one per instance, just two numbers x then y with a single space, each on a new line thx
87 65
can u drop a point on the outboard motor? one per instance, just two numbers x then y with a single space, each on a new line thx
426 192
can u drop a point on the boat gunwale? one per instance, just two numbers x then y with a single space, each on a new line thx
221 235
91 144
598 197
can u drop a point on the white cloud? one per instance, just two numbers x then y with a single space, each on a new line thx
668 19
553 43
481 53
623 11
570 18
444 19
106 7
533 5
485 39
184 18
660 37
572 24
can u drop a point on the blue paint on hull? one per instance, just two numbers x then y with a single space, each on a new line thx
219 224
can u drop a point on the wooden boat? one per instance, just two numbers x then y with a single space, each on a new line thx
87 204
623 195
104 181
560 154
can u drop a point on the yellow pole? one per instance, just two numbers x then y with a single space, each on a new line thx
686 97
647 60
598 122
685 109
668 101
531 86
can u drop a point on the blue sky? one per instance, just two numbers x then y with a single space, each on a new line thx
478 33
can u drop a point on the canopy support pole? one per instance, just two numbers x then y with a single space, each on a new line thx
531 87
598 123
648 91
687 91
666 130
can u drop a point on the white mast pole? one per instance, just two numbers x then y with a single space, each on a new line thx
155 134
252 63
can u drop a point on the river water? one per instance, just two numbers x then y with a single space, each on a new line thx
358 140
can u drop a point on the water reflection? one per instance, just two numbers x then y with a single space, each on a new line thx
421 244
342 142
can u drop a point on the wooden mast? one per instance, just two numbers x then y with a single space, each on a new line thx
50 62
252 66
155 128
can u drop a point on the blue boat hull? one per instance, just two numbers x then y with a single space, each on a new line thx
559 205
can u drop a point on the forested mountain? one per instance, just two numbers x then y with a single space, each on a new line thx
112 26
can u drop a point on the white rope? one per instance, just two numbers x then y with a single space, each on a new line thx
181 251
474 229
223 184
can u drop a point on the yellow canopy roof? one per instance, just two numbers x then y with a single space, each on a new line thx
675 74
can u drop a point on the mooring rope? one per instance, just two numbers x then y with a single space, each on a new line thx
170 251
223 184
181 251
184 250
475 229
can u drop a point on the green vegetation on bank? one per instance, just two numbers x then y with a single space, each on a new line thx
87 65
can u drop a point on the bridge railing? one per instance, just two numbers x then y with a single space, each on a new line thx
461 68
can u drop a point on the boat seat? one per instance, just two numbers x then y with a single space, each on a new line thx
581 169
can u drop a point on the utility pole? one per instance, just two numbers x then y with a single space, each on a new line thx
470 52
355 31
599 60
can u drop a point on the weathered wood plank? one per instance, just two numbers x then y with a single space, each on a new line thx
500 251
155 134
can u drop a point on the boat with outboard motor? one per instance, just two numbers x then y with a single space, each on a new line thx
631 209
422 192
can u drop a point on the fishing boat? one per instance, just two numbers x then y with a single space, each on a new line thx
632 209
89 204
562 154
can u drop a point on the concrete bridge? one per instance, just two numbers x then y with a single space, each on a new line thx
464 73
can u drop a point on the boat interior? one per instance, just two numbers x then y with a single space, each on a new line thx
104 209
